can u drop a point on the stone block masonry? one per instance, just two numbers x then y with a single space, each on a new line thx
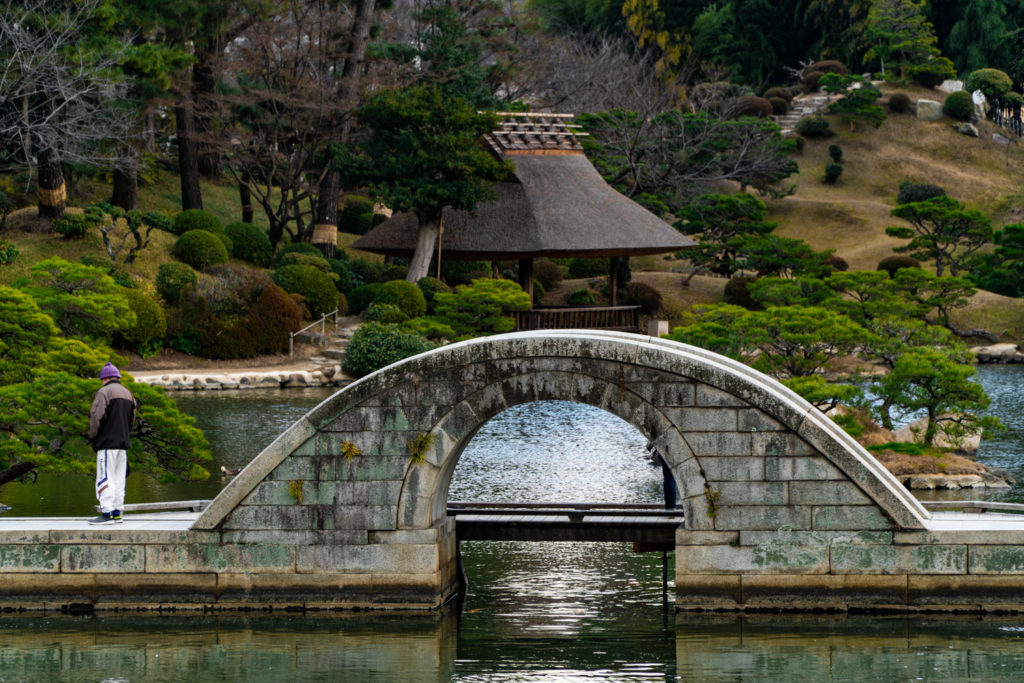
347 508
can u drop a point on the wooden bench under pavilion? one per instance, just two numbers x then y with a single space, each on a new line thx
555 205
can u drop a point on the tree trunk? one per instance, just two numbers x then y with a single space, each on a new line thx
245 198
188 157
16 470
126 188
325 231
426 238
51 189
204 83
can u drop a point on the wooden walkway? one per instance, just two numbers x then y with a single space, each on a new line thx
614 523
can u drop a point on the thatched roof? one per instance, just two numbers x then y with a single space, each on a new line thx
556 205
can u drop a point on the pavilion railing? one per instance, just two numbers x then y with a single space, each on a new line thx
622 318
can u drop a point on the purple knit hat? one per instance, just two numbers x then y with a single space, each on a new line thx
109 371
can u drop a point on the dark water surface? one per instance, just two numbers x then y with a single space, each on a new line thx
535 611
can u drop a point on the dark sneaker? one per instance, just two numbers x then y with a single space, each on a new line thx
105 518
116 514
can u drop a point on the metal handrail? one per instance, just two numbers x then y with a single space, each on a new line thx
322 322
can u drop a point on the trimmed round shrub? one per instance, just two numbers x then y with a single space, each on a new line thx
932 74
779 91
892 264
367 271
801 142
376 345
587 267
229 288
369 221
296 258
548 272
431 287
835 152
737 292
150 326
538 290
385 313
394 271
643 295
809 83
582 297
360 298
832 172
249 243
958 105
228 244
349 216
406 296
752 105
899 103
199 249
293 248
992 82
274 316
1013 99
196 219
316 286
345 280
172 280
780 107
837 263
815 126
830 66
912 192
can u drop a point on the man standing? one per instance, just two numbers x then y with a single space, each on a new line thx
110 424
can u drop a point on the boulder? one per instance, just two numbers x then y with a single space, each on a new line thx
967 129
951 86
929 110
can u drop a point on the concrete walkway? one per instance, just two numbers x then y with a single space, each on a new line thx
147 521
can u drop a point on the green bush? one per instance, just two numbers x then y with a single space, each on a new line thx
835 152
780 92
293 248
587 267
73 225
369 221
404 295
643 295
159 220
367 271
814 127
431 286
463 272
582 297
482 307
892 264
830 66
394 271
899 103
992 82
314 285
249 243
228 289
349 215
172 280
270 321
933 73
296 258
229 246
196 219
958 105
360 298
146 335
345 279
538 290
199 249
832 172
376 345
8 253
912 192
385 313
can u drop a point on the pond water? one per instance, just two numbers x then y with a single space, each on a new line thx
534 611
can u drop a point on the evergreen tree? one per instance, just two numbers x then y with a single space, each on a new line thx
978 39
900 35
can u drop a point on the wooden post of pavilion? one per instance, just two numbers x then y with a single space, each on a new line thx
526 277
613 280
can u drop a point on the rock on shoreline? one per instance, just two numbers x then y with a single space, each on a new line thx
999 353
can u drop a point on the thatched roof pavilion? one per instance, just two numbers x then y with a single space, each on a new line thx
556 205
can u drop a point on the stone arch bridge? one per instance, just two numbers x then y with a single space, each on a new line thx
347 508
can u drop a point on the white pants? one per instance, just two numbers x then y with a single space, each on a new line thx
111 469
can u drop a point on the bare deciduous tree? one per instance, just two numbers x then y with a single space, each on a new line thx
57 97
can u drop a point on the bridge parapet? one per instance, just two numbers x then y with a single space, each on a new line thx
347 508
